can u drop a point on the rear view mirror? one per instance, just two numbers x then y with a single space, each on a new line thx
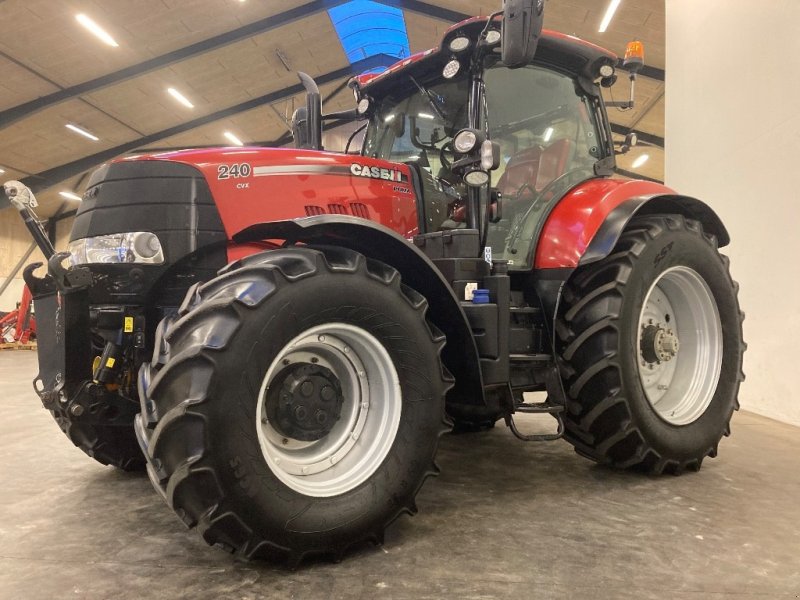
521 28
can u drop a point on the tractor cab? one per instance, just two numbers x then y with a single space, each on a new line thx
544 123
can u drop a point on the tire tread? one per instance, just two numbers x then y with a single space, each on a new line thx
592 427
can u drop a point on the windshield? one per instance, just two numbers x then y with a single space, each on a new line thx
543 122
416 121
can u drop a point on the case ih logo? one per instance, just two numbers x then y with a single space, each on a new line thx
376 172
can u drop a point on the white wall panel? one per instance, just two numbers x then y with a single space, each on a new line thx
733 139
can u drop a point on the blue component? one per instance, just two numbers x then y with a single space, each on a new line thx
367 28
480 297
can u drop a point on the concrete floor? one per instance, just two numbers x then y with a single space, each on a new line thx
505 519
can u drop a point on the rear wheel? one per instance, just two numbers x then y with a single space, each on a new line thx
651 343
296 405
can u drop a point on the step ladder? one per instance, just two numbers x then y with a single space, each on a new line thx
554 409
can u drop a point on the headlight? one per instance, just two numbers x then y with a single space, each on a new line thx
459 44
492 37
451 69
117 248
476 178
465 141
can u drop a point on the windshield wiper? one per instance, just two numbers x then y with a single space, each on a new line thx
427 94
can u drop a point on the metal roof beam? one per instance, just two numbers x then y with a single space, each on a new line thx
57 174
424 8
26 109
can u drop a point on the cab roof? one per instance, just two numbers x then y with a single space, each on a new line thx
556 49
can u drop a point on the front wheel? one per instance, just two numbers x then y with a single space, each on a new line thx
296 404
651 343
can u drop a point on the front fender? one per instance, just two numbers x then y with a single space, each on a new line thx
585 225
460 354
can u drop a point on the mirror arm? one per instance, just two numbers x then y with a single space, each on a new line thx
343 115
625 103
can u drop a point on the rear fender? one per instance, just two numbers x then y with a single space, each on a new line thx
460 355
586 224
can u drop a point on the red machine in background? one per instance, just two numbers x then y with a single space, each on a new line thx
19 325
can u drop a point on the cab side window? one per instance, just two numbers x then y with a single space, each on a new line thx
543 127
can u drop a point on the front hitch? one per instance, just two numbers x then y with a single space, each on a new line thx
61 302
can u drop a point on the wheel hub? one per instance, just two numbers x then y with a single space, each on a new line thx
658 344
304 402
361 429
680 345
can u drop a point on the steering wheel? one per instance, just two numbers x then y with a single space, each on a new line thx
444 151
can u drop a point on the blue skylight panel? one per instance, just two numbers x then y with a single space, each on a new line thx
367 28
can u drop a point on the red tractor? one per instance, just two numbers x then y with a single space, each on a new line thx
281 335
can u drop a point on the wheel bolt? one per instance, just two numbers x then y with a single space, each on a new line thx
307 388
321 417
300 413
76 410
321 338
327 393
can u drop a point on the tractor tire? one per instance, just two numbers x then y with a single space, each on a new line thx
651 349
294 404
113 443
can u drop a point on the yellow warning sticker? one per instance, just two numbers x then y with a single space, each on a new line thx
128 324
110 362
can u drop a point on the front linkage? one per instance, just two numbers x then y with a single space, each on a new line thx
90 403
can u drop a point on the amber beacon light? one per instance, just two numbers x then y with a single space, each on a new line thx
634 57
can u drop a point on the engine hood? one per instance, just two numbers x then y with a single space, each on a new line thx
253 185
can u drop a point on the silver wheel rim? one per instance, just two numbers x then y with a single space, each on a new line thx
359 441
681 380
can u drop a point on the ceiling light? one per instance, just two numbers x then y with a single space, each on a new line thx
426 116
96 30
180 97
2 170
612 8
70 196
548 133
83 132
640 161
233 139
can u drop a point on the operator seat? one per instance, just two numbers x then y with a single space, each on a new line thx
531 170
522 169
553 163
